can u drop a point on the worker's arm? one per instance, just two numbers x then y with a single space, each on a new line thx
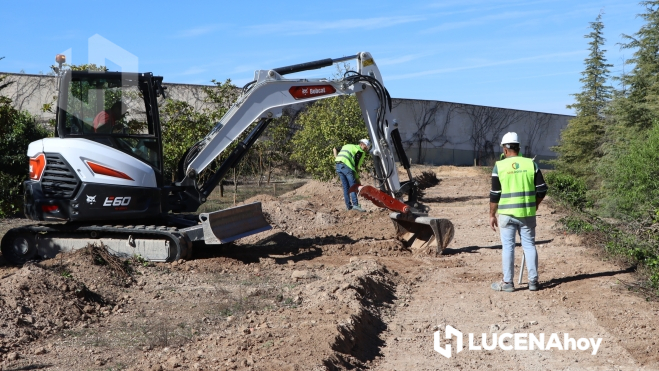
495 195
540 186
493 215
359 160
336 153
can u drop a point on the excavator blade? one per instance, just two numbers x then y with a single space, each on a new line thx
423 234
230 224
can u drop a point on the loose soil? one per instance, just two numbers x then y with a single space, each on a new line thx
326 289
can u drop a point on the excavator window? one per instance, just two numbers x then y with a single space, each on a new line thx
110 108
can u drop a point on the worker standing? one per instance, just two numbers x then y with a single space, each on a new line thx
348 162
517 190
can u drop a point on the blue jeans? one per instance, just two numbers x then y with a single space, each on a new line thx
508 227
347 177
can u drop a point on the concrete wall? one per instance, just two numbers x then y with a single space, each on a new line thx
433 132
443 133
31 92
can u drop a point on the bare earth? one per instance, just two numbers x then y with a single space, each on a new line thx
327 289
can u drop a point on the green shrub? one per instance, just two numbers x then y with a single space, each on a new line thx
328 123
567 189
631 178
574 224
19 129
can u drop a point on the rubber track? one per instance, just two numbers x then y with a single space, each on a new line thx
183 245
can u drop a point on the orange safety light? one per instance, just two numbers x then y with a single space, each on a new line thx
37 166
60 58
104 170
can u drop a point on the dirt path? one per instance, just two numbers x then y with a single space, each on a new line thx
581 296
326 289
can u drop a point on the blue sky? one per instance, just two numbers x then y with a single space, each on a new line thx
505 53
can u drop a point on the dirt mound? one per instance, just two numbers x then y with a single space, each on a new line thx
315 188
36 301
260 198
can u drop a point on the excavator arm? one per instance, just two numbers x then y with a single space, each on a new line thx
265 98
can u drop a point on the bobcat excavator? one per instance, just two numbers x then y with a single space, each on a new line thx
102 174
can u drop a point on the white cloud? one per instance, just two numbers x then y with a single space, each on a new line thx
399 60
484 64
316 27
197 31
482 20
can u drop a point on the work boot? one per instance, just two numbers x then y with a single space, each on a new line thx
534 286
503 286
357 208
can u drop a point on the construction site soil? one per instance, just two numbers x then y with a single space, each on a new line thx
327 289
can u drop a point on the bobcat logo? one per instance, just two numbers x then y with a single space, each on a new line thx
91 199
305 91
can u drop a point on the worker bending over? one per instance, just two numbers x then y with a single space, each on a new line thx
348 162
517 190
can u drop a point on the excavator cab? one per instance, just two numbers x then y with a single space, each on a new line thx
116 109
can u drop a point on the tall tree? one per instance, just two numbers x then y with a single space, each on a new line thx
638 105
582 137
325 124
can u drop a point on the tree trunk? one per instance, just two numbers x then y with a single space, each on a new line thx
260 169
269 171
235 185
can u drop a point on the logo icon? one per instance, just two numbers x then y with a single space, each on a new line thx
515 165
446 350
91 199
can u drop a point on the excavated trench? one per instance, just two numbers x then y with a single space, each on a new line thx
358 341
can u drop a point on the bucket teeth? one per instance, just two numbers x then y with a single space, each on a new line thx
422 233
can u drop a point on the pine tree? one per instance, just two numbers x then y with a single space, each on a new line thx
638 105
582 136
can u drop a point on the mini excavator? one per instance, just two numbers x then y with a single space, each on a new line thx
101 176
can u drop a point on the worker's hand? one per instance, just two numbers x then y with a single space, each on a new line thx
493 223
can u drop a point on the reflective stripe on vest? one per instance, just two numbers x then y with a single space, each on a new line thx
516 175
347 156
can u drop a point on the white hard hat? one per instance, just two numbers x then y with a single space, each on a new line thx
366 141
510 137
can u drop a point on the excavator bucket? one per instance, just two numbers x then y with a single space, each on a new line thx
230 224
423 233
418 232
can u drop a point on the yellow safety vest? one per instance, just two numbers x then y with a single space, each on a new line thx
516 175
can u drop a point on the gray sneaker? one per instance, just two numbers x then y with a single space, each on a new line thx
357 208
502 286
534 286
